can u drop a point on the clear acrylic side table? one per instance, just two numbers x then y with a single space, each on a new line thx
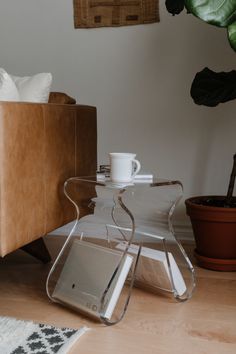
132 219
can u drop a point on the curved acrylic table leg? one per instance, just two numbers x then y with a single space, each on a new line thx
158 237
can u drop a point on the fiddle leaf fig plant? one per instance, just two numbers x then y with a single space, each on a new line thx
232 35
210 88
175 6
221 13
216 12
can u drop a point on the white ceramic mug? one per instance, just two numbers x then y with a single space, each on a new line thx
123 167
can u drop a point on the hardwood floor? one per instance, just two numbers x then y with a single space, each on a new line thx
153 324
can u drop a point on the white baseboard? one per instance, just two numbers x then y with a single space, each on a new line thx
182 230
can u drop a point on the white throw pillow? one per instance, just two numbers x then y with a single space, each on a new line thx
8 89
34 88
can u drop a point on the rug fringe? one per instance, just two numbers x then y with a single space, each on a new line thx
73 339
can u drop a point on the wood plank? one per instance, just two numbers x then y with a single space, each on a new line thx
153 324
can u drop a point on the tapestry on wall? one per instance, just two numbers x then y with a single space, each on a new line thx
112 13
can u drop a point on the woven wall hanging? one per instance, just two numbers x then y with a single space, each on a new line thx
113 13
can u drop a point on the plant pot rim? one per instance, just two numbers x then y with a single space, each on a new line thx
218 264
191 203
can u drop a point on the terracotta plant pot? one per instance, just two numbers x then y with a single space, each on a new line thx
214 230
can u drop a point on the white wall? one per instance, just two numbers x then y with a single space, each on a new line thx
139 78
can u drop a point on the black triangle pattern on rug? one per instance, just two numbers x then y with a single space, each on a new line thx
46 340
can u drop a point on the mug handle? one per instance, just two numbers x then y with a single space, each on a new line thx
137 169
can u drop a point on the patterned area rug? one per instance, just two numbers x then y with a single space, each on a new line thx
25 337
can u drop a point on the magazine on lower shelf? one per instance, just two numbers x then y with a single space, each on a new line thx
153 269
89 271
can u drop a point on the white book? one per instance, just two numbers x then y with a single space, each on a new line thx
88 272
153 269
143 178
146 176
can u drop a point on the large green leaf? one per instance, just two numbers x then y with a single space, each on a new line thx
174 6
216 12
232 35
210 88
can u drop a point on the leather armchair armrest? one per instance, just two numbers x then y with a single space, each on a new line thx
41 145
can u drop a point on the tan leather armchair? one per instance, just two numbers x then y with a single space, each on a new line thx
41 146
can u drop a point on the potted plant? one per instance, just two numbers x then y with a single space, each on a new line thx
213 218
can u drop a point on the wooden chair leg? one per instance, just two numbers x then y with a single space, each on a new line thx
38 250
